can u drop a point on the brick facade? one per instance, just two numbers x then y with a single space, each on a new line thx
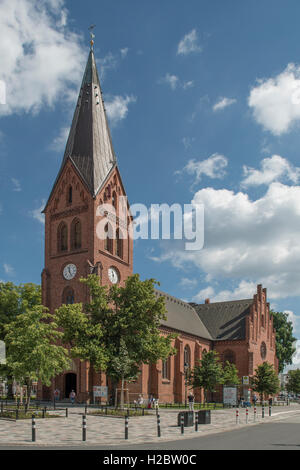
88 178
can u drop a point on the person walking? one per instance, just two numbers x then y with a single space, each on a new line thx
191 399
72 397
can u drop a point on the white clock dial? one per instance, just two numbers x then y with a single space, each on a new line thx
69 271
113 275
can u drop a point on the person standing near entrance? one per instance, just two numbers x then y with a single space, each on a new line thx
72 397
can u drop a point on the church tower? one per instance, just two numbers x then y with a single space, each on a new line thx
86 220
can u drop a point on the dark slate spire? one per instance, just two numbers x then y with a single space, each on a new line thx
89 145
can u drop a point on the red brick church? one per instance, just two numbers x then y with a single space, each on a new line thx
240 331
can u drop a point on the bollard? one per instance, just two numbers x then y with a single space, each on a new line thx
67 412
262 411
17 414
254 414
84 428
182 424
33 428
246 415
270 410
126 426
237 416
196 422
158 425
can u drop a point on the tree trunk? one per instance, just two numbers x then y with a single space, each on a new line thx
122 394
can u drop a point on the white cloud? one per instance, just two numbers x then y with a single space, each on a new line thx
189 43
223 103
188 283
41 59
274 168
173 81
275 102
213 167
248 242
37 213
187 142
16 185
244 290
111 61
9 270
117 108
124 52
188 84
59 143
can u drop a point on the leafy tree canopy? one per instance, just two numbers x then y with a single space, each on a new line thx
293 381
115 320
32 350
265 381
284 339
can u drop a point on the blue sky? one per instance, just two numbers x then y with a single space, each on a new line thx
204 104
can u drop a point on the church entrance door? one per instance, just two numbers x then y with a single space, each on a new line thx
70 384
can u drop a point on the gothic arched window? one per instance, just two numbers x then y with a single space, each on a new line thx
187 357
70 195
119 244
76 234
62 237
108 241
114 200
228 356
166 369
68 296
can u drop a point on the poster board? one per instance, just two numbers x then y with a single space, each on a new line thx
230 396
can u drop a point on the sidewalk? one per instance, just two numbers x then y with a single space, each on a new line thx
104 430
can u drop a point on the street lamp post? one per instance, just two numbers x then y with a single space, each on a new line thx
186 366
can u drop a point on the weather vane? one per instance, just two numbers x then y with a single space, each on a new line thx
91 28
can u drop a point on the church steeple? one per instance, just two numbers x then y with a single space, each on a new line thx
89 145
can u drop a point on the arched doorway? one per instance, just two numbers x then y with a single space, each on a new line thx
70 384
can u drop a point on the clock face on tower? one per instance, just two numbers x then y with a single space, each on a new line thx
69 271
113 275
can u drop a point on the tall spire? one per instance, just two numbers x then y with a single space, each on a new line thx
89 144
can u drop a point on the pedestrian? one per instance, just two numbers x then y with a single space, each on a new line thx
140 400
72 397
56 394
150 402
254 400
191 399
270 401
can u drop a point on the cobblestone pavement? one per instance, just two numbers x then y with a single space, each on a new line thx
104 430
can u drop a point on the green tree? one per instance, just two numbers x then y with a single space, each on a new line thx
122 366
265 381
284 339
207 373
15 300
126 317
293 381
32 350
230 374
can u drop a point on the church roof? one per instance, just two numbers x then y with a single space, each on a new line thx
225 320
182 317
89 145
